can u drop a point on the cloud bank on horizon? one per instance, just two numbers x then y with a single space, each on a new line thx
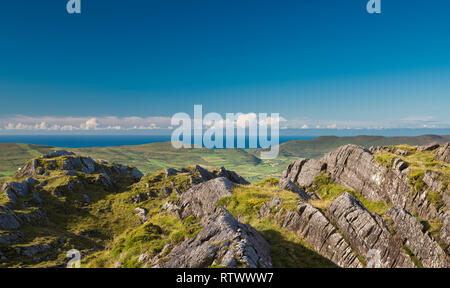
117 124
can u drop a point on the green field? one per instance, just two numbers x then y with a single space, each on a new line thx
156 156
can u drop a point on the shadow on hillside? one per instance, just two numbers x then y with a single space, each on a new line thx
288 254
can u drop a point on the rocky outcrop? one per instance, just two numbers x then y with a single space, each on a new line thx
8 220
310 224
304 171
367 233
68 161
443 153
429 147
445 233
424 248
355 168
14 190
201 200
433 181
223 242
58 153
231 175
206 175
288 185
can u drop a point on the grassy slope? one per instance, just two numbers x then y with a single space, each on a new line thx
155 156
116 235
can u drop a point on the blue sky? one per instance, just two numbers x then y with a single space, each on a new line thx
321 63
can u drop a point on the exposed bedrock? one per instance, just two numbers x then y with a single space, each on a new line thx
223 242
368 234
311 225
422 245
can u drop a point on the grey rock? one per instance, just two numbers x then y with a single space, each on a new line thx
58 153
433 181
8 221
355 168
399 165
136 174
171 172
118 265
443 153
31 251
224 242
367 233
141 213
312 226
402 152
205 175
171 208
304 171
445 232
143 257
29 170
232 176
201 200
288 185
88 166
429 147
71 173
15 190
423 247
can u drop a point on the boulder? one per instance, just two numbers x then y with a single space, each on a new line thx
201 200
141 213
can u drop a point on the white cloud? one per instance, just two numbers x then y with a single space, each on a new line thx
83 123
113 123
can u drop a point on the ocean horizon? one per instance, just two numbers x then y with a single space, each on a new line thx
97 140
89 141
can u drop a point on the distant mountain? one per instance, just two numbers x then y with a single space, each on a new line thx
318 147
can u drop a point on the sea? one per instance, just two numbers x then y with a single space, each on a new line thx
84 141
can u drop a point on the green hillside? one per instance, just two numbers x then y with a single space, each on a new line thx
155 156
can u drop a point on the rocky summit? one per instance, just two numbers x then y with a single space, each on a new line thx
356 207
